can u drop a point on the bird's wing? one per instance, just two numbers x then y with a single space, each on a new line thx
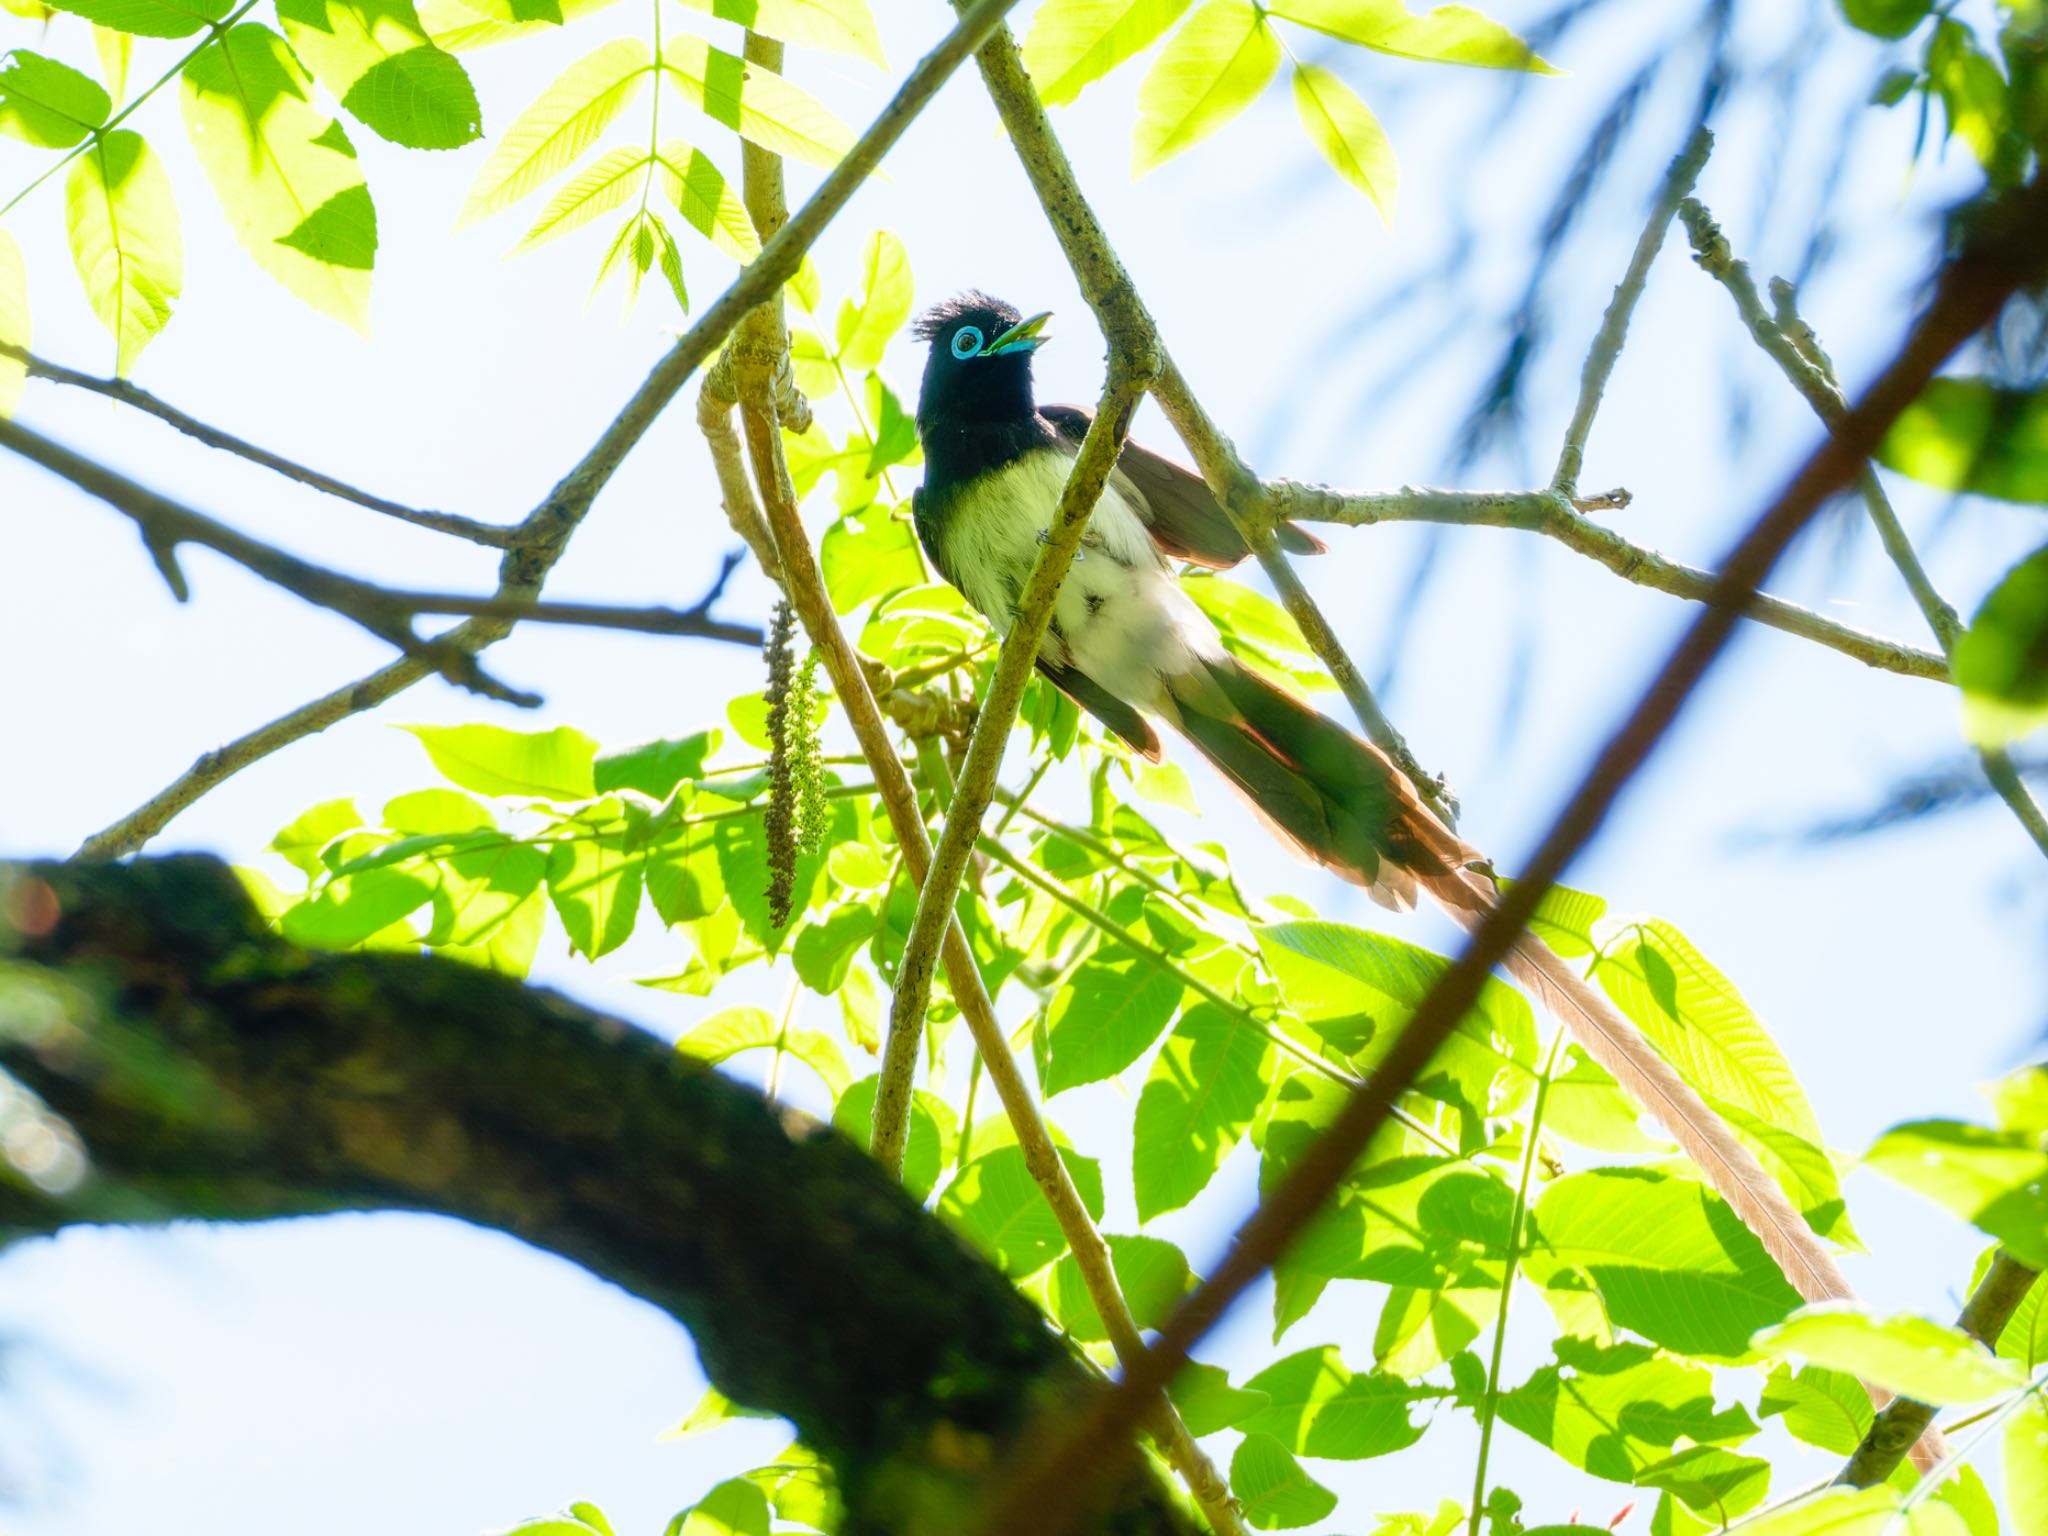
1104 706
925 519
1184 520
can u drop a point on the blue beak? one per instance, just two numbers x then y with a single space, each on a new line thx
1021 337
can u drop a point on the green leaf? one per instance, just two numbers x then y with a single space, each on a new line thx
1357 989
1564 919
435 811
997 1203
1971 89
1450 34
754 102
641 244
684 879
47 104
703 196
1914 1357
1420 1328
867 555
1207 1402
284 171
551 765
375 58
654 768
149 18
1970 434
933 1130
1073 43
2026 1467
1822 1407
604 184
1204 1087
1152 1274
832 26
1668 1257
1257 631
1349 136
1115 1006
1210 71
1276 1494
300 843
1838 1512
1586 1106
735 1507
713 1408
1996 1180
563 122
14 322
595 887
824 952
867 323
725 1035
489 898
1713 1482
1319 1407
125 240
351 908
1702 1026
1617 1410
1886 18
2001 662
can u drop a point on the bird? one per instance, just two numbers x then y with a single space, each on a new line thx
1129 645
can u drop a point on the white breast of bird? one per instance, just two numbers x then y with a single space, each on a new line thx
1122 617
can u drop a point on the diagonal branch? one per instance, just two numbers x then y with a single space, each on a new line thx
1790 343
2010 249
126 393
537 543
1555 515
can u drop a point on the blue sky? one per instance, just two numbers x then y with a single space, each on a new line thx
409 1376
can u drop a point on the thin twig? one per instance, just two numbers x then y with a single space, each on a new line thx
1554 515
1790 343
121 390
1129 328
1607 343
1984 1316
1028 622
539 539
2011 249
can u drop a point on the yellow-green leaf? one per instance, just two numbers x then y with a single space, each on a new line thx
377 60
14 327
755 103
702 195
463 25
1450 34
562 123
2026 1468
1350 137
47 104
1203 78
867 324
284 171
1074 43
606 183
150 18
115 49
125 240
2001 662
555 765
832 26
643 243
1913 1356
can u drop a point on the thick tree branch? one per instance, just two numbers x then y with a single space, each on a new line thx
1790 343
210 1070
490 534
1554 515
538 541
977 780
2009 248
1899 1427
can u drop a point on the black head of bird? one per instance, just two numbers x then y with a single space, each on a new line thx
979 368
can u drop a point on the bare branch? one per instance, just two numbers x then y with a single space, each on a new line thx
538 541
126 393
1990 1307
1790 343
1552 514
2011 248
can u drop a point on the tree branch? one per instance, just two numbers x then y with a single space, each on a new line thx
1129 328
126 393
1790 343
1553 514
2009 248
211 1070
537 542
1899 1427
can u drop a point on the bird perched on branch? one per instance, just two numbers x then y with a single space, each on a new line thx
1129 646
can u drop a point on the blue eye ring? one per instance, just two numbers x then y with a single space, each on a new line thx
966 342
